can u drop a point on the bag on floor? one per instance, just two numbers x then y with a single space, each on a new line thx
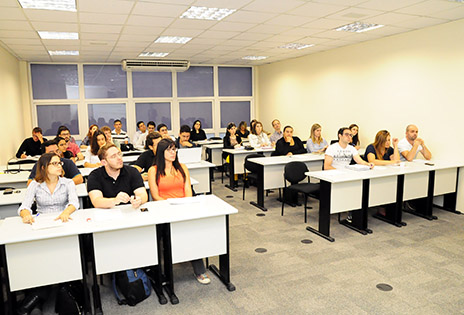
131 286
70 299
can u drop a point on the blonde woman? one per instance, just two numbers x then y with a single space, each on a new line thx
315 143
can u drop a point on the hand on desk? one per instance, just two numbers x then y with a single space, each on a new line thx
26 216
122 197
23 156
64 216
136 201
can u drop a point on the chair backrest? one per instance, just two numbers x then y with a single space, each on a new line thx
251 167
294 172
215 138
333 141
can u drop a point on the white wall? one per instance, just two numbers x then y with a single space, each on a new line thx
416 77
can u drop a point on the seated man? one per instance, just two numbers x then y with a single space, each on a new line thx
31 146
115 183
118 134
69 168
65 133
277 132
142 131
339 154
411 145
140 144
163 130
183 141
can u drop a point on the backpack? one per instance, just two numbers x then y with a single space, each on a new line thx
127 147
133 285
70 299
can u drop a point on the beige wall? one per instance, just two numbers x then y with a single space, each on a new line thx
416 77
13 113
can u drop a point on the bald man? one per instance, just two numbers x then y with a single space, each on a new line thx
411 145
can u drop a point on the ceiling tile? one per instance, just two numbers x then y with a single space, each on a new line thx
269 29
389 18
21 41
140 20
15 25
181 32
290 20
324 24
187 2
354 14
193 24
18 34
238 42
137 38
429 7
99 28
453 14
97 48
51 16
389 5
273 6
232 26
252 36
142 30
249 16
341 2
10 3
105 6
98 36
12 14
229 4
420 22
303 31
55 27
102 18
317 9
284 39
218 34
157 9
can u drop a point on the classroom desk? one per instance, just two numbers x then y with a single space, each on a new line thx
347 190
202 172
16 180
27 160
271 171
236 160
213 153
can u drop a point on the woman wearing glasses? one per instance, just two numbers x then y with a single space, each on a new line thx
91 156
168 178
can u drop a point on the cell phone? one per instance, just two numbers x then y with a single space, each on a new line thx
430 164
143 209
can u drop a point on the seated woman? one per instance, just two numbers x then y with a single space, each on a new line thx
315 143
232 140
380 152
91 156
288 144
197 133
63 146
258 138
170 179
53 194
355 139
242 130
86 141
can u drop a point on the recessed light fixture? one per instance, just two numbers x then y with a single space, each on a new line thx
358 27
63 53
459 1
204 13
172 40
58 5
296 46
254 57
153 54
57 35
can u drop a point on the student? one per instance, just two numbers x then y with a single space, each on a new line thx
197 134
315 143
52 194
339 154
70 169
147 158
411 145
115 183
288 144
355 140
258 138
170 179
65 133
63 148
380 152
277 132
31 146
118 134
91 156
232 140
140 144
252 124
242 130
142 131
109 138
183 141
86 141
163 130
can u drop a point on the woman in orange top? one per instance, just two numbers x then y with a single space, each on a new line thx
168 178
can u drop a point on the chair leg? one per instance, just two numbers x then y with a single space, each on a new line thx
244 188
306 211
283 202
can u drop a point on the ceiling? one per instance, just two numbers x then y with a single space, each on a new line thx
111 30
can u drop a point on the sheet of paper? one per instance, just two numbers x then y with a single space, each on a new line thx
46 222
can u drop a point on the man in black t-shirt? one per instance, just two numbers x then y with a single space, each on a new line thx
115 183
31 146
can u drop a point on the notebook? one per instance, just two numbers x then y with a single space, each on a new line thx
189 155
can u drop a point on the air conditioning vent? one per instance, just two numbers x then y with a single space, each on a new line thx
155 65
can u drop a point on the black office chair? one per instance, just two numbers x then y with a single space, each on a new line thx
294 173
253 170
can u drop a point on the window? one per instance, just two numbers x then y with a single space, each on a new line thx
106 114
50 117
196 81
191 111
234 111
54 82
157 112
234 81
102 81
152 84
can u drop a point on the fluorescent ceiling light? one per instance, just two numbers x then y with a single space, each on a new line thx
153 54
58 5
254 57
296 46
172 40
204 13
358 27
63 53
58 35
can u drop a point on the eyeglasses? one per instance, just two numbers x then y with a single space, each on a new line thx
348 134
56 164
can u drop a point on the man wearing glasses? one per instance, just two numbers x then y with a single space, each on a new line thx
70 169
65 133
115 183
339 154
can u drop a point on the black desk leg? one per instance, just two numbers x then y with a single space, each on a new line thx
359 217
231 184
97 307
168 273
211 180
224 263
424 206
209 158
10 301
155 273
260 189
394 212
87 307
450 200
324 212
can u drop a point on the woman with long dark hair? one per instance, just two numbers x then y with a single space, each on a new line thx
91 156
86 141
197 134
355 139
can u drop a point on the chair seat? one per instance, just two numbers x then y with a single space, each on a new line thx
305 188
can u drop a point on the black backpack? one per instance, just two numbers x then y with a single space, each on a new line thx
133 284
70 299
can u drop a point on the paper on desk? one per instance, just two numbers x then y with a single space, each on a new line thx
107 215
358 167
334 172
183 201
46 222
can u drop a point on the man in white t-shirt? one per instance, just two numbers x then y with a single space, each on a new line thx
411 145
339 154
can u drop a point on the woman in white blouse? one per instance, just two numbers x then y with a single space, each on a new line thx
91 155
257 137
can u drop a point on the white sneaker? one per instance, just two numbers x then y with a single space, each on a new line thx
203 278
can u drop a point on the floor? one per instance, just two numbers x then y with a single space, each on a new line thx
422 263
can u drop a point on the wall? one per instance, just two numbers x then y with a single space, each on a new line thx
387 83
12 126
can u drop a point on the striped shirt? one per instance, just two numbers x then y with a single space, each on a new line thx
64 195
